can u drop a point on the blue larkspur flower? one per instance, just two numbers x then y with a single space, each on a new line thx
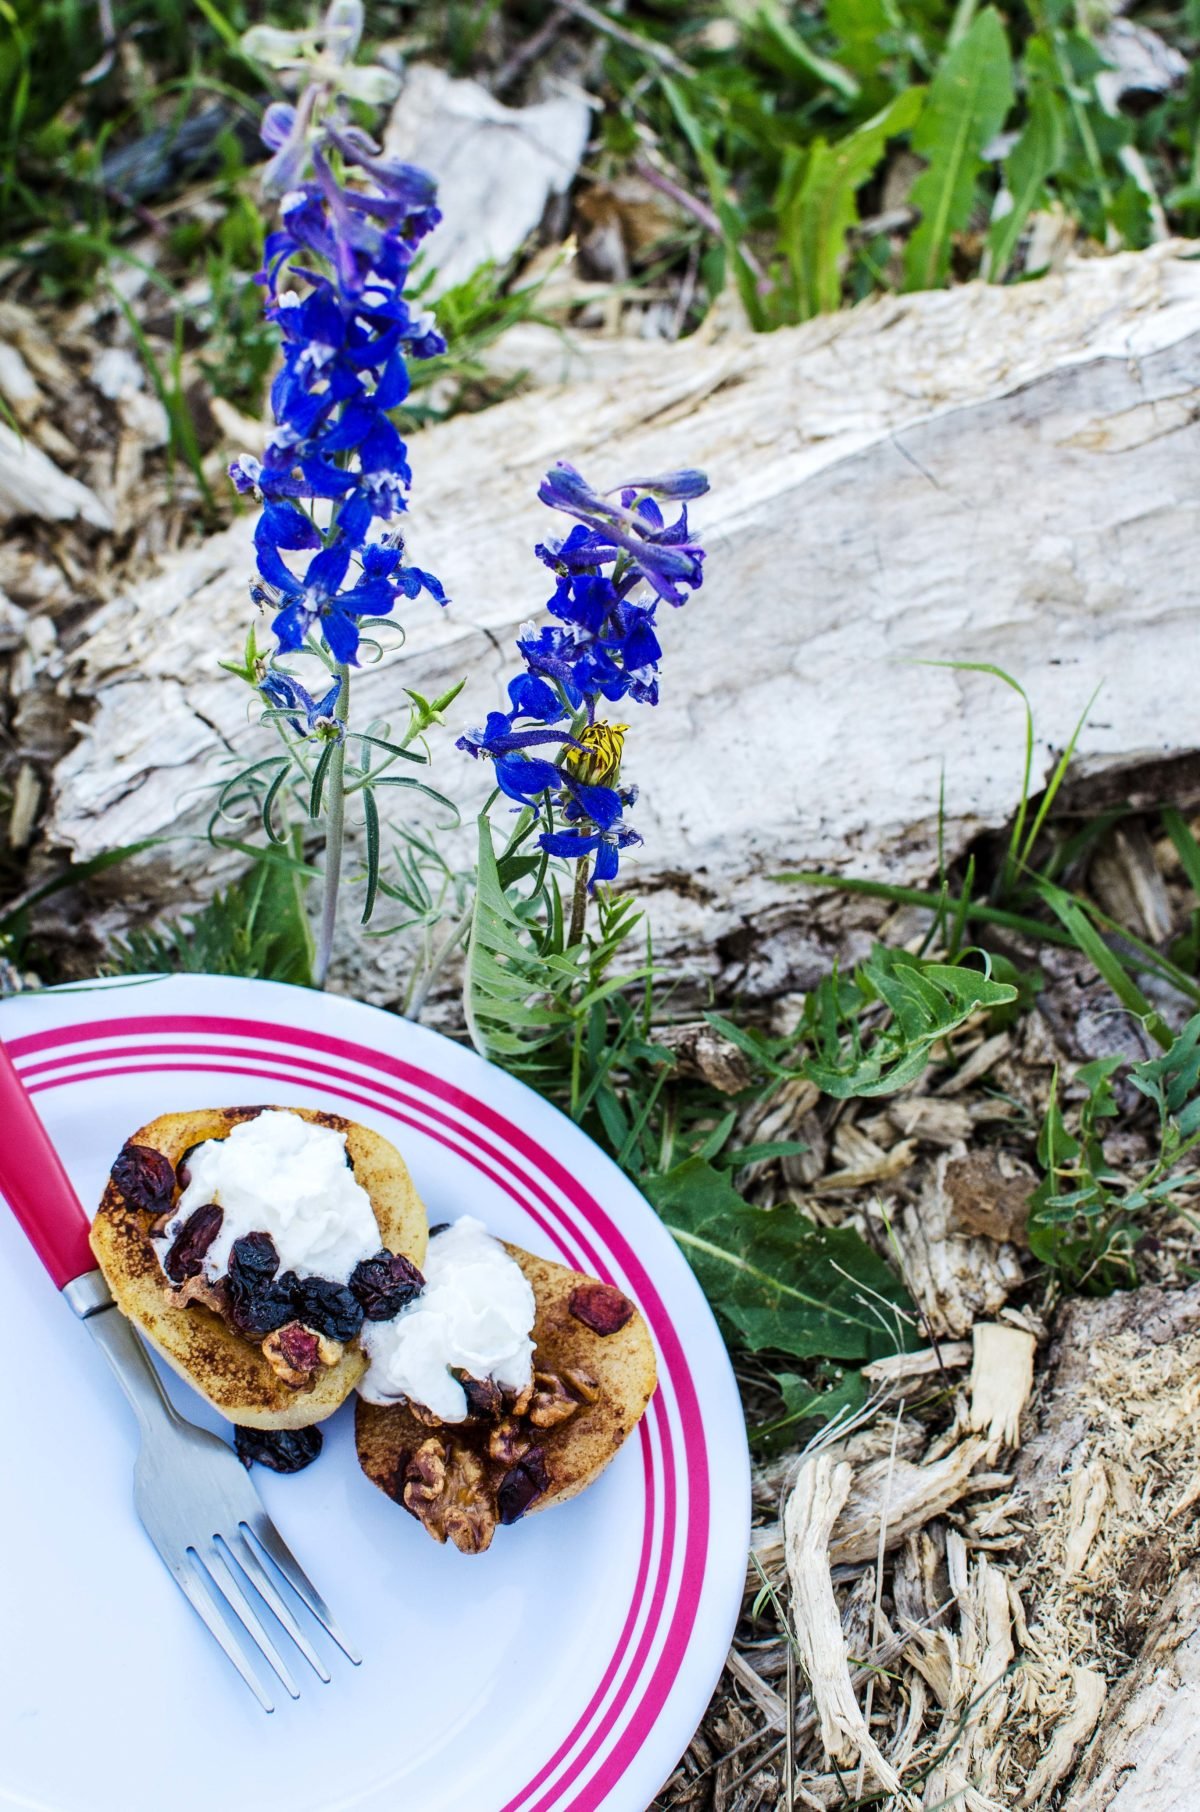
285 693
601 645
334 271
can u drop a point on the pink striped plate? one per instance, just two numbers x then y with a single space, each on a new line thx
565 1671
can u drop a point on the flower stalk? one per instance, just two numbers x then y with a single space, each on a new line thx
553 750
333 478
335 836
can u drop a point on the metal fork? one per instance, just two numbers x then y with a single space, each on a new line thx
192 1493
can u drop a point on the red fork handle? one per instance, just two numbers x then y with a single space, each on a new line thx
36 1186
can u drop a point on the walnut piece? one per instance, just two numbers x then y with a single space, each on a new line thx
198 1289
582 1384
508 1442
552 1401
295 1353
446 1489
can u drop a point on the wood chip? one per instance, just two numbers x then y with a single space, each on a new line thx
949 1356
768 1701
933 1121
869 1162
813 1507
1085 1507
915 1495
1068 1739
977 1065
1001 1381
32 485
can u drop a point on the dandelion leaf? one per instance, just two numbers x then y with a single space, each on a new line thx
965 108
781 1283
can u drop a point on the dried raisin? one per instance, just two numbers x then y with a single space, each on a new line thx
522 1486
145 1177
328 1307
600 1307
185 1256
282 1449
385 1284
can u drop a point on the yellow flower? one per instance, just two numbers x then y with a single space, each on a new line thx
598 762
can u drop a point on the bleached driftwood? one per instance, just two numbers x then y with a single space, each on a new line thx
32 485
986 474
497 167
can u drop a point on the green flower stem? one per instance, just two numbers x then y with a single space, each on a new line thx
579 903
335 833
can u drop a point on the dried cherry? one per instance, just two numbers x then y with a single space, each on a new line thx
185 1255
385 1284
145 1177
328 1307
600 1307
253 1260
282 1449
483 1395
258 1302
522 1486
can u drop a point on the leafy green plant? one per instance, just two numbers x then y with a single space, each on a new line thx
1035 157
258 927
1086 1216
873 1032
818 204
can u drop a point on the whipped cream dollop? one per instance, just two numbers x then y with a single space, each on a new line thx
281 1175
474 1315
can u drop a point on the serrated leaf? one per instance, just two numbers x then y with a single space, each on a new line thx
822 204
967 104
806 1404
783 1283
503 973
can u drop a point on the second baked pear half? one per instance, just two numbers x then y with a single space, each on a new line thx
250 1244
506 1387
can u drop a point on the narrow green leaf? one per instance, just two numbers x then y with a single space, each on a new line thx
804 61
1087 939
371 818
316 792
268 806
1037 154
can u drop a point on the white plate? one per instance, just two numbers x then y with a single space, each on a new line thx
563 1671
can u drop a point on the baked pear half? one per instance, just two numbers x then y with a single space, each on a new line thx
593 1376
230 1369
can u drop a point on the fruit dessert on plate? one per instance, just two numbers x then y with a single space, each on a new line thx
251 1244
279 1258
504 1387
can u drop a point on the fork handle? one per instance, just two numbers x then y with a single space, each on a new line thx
37 1187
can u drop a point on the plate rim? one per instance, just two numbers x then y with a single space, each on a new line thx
647 1743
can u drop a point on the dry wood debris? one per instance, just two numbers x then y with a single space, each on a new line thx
1040 1623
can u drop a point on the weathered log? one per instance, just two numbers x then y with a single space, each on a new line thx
1145 1757
987 474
